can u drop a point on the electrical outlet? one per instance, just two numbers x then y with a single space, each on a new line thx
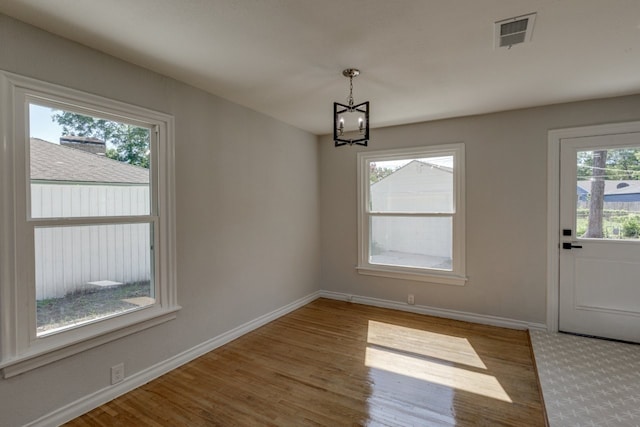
117 373
410 299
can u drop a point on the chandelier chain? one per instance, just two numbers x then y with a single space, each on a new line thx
350 99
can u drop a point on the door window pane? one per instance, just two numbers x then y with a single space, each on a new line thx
608 194
83 166
412 185
85 273
421 242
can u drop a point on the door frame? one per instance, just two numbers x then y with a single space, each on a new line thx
555 136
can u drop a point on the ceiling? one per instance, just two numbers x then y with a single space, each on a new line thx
419 59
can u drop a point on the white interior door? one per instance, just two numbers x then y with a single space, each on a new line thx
600 258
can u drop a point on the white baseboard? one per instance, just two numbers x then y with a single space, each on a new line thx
533 326
100 397
437 312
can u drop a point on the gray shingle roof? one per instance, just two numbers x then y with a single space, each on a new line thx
54 162
614 187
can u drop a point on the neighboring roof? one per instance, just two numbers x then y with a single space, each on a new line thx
406 167
433 165
54 162
612 187
81 139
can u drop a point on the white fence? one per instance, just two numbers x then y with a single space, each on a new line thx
619 206
68 258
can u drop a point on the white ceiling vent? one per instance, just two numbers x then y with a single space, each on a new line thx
514 30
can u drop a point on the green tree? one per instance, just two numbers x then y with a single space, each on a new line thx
585 165
631 226
621 164
377 173
596 207
131 143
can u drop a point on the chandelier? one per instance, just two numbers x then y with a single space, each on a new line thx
350 122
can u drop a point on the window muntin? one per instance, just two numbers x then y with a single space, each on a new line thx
411 213
27 342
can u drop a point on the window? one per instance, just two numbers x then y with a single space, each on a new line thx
411 214
87 206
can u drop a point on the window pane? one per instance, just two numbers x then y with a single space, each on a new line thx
102 172
608 194
411 242
84 273
412 185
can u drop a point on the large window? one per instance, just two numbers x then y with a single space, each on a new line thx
411 213
87 252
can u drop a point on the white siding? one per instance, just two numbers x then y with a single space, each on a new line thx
81 200
418 236
69 257
417 187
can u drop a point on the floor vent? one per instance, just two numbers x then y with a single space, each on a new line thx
514 30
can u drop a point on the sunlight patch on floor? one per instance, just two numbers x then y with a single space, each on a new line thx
430 344
429 356
434 372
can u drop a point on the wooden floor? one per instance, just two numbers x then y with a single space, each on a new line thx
333 363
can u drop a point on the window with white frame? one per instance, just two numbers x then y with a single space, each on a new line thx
411 214
88 247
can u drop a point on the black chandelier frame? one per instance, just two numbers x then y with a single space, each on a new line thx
340 136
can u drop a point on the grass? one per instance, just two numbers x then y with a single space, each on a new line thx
87 305
612 228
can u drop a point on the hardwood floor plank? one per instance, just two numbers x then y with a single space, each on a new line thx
333 363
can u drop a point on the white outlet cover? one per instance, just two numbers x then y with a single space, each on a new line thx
117 373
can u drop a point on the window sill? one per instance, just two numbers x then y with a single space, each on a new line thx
43 356
412 274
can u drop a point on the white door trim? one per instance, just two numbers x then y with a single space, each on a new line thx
553 204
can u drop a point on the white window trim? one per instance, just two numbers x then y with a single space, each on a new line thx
20 349
454 277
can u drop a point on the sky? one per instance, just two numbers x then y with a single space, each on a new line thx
41 125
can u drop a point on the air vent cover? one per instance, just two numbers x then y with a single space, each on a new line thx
514 30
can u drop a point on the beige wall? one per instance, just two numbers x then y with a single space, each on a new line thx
506 200
247 216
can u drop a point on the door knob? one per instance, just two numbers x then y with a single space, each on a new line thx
569 245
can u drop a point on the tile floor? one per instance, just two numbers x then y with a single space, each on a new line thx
587 381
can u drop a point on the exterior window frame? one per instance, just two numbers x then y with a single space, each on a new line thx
21 349
457 274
